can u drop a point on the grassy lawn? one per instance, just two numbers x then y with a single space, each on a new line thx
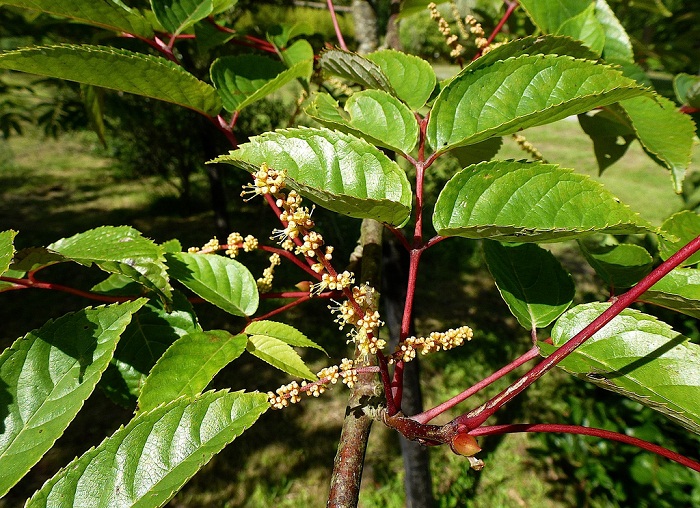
51 189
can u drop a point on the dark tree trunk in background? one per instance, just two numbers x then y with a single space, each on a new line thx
365 19
418 483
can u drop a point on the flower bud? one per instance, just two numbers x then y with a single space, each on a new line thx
465 444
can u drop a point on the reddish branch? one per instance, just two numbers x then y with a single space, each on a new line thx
587 431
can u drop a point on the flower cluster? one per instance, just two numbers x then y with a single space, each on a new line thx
528 147
209 247
366 322
291 393
336 282
436 341
265 181
451 39
265 282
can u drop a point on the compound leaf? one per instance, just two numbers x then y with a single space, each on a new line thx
104 14
521 92
685 226
531 281
638 356
279 354
116 69
222 281
335 170
529 202
412 78
176 372
46 377
146 462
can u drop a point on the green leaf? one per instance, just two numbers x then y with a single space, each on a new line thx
611 136
618 47
679 291
120 250
222 281
7 249
335 170
279 354
145 463
223 6
280 35
620 266
46 377
371 114
118 285
93 99
638 356
549 17
104 14
33 258
534 45
685 226
585 27
687 89
300 51
283 332
521 92
531 281
665 133
177 15
151 331
189 365
530 202
412 78
245 79
355 68
117 69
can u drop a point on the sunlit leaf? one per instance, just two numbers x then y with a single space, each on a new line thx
176 374
412 78
7 249
585 27
120 250
638 356
177 15
335 170
618 47
222 281
279 354
283 332
685 226
531 281
372 114
521 92
104 14
46 377
679 290
149 460
529 202
116 69
665 133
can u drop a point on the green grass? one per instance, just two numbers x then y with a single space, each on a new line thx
50 189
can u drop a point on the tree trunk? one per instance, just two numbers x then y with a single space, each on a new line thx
365 19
